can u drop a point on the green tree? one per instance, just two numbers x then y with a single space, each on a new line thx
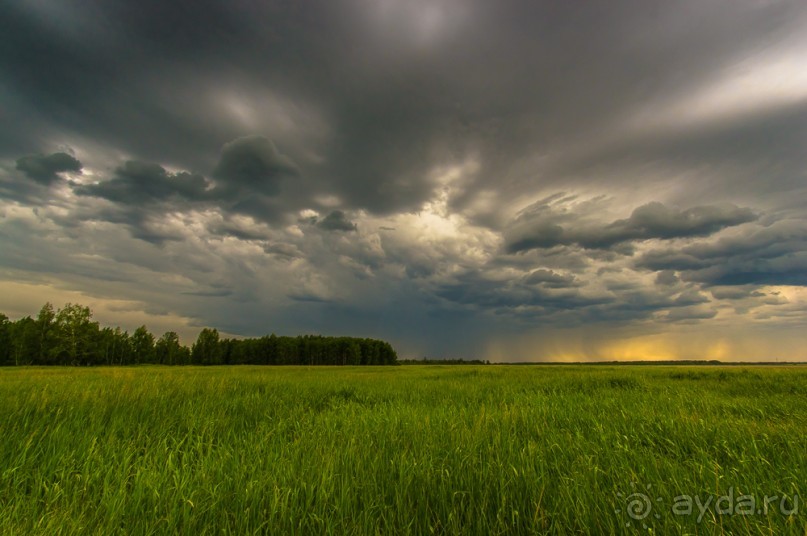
45 336
353 352
5 341
269 350
76 335
69 336
114 347
143 345
24 340
207 348
168 349
184 356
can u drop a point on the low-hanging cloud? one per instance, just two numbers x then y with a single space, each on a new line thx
252 164
245 182
45 169
135 183
551 279
772 255
336 221
401 185
650 221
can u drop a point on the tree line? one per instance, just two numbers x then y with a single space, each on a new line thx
429 361
69 336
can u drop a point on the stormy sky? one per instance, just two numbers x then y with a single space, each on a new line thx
504 180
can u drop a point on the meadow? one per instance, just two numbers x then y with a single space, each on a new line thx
403 450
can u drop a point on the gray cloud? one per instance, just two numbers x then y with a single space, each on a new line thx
551 279
310 298
527 303
45 169
400 96
650 221
216 293
772 255
445 129
655 220
284 251
689 314
247 182
252 164
735 293
141 193
136 183
666 277
507 296
336 221
241 231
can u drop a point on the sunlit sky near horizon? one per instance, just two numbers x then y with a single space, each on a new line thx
503 180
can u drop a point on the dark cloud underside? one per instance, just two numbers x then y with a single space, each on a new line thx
446 173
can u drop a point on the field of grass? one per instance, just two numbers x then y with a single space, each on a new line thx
403 450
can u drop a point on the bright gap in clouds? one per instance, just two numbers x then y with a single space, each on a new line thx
760 84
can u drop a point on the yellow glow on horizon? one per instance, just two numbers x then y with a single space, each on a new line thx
746 341
650 348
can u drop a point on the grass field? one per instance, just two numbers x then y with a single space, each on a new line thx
403 450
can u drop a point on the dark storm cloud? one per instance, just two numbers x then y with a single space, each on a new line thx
644 303
140 194
400 91
781 271
736 293
136 183
666 278
92 68
440 119
336 221
689 314
247 179
655 220
481 290
751 156
216 293
34 177
283 251
46 169
239 231
650 221
310 298
251 165
773 255
572 306
551 279
690 296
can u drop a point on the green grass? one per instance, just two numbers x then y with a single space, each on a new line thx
397 450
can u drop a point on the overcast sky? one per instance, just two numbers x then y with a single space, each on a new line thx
508 180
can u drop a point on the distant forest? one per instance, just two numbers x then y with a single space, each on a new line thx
68 336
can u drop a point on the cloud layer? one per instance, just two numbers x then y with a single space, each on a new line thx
507 180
